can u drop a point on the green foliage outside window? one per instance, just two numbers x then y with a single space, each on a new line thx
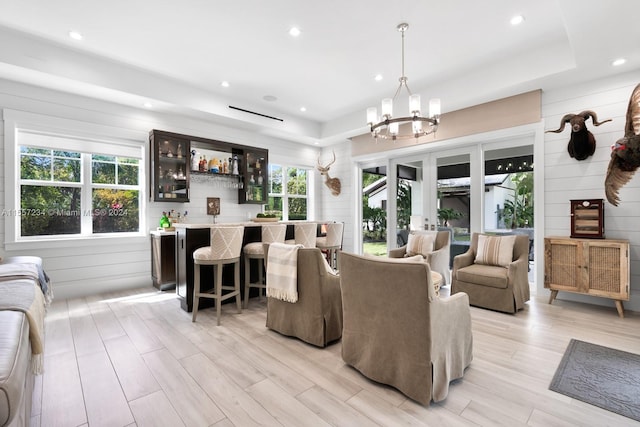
296 192
404 204
51 193
518 212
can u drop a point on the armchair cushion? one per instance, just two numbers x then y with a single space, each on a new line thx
486 275
495 250
421 243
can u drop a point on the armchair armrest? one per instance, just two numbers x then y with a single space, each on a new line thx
439 255
398 252
518 270
451 341
463 260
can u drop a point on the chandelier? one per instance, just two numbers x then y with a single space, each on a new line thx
388 127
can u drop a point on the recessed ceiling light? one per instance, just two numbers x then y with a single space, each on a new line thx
618 62
294 32
75 35
517 20
147 105
303 109
378 77
224 83
269 98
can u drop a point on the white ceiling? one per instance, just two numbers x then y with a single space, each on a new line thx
175 54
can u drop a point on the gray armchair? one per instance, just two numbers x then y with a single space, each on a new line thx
316 317
438 259
397 332
496 287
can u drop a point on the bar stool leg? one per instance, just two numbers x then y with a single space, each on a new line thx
196 292
236 279
218 290
260 279
247 280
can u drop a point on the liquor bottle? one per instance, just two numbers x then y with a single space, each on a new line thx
195 162
235 166
164 221
160 192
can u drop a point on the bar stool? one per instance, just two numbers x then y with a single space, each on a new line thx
226 244
255 250
332 242
305 234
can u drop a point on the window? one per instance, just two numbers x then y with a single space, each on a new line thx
70 187
288 189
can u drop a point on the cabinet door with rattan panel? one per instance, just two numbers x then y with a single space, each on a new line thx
597 267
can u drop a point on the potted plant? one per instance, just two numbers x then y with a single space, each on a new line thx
447 214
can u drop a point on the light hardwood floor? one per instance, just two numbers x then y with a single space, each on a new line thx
135 359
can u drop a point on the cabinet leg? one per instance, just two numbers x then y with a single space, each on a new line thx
553 296
620 308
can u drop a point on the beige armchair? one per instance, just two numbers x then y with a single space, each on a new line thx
438 258
501 285
397 332
316 317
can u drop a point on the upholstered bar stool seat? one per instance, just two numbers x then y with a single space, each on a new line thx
255 250
226 244
331 242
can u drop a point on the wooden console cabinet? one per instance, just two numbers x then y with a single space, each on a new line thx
588 266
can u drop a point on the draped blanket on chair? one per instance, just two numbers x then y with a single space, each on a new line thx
24 295
282 272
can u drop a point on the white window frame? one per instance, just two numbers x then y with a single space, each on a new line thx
285 195
82 137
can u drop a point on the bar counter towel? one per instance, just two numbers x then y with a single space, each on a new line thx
282 272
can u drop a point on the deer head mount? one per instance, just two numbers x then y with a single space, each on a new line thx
333 183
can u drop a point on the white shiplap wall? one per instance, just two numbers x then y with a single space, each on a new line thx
566 178
338 208
97 265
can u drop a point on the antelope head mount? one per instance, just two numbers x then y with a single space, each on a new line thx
333 183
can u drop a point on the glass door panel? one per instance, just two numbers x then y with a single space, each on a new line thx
453 202
374 210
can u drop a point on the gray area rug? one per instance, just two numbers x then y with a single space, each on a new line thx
601 376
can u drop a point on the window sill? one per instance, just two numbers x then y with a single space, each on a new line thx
74 242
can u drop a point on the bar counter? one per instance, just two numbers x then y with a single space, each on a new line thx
190 237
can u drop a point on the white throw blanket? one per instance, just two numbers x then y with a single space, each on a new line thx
24 295
282 272
18 270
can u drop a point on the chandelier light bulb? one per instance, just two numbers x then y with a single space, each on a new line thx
387 108
372 115
434 107
414 104
393 128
